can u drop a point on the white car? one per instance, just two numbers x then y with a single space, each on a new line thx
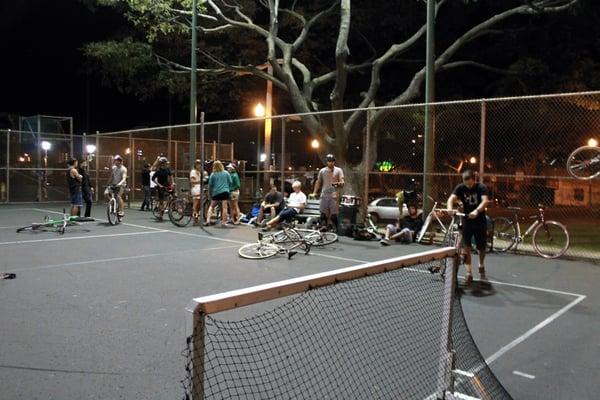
385 208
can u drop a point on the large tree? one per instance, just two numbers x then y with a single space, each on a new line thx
328 54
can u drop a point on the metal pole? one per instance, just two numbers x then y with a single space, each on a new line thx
282 161
219 141
367 161
258 145
83 145
71 135
97 164
8 167
202 158
199 327
429 148
39 156
268 126
133 154
193 83
482 139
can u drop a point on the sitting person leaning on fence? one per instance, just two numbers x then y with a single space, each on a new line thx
295 204
405 230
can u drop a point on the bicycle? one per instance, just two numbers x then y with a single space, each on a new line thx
181 210
550 239
314 237
285 241
158 209
59 225
113 207
433 216
584 163
452 238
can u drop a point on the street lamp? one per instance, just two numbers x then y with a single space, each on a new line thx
314 144
473 160
90 148
45 146
259 111
593 142
263 157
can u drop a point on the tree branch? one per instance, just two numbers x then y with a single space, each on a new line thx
310 23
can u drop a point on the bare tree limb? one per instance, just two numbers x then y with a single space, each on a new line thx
310 23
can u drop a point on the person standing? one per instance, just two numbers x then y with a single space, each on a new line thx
163 178
117 182
74 179
234 191
146 187
219 183
87 191
329 180
195 177
474 197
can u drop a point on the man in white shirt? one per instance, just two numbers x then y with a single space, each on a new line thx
295 205
117 182
329 181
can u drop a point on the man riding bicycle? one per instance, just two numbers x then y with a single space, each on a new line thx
117 182
164 181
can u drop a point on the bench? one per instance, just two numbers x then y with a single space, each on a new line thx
311 214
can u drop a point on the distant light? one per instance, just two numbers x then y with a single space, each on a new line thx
46 145
315 144
290 168
414 141
128 151
139 152
593 142
473 160
259 110
21 159
263 157
90 148
419 136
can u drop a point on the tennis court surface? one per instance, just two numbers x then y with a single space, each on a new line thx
99 312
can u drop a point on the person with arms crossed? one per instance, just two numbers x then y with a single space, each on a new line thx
329 182
74 179
474 197
295 204
117 180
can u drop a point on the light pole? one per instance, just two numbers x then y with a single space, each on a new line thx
315 146
429 142
193 84
259 111
45 146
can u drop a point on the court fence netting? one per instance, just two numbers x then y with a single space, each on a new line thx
387 329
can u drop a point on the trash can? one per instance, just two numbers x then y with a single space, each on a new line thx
349 208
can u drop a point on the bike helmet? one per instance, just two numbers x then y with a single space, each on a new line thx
330 157
118 157
163 160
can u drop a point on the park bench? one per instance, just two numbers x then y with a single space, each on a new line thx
311 214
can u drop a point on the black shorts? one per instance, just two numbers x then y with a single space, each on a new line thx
163 193
475 231
287 214
221 196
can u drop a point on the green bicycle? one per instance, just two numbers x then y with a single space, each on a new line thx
59 225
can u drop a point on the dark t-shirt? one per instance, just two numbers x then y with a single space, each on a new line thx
414 224
162 176
471 198
272 198
145 177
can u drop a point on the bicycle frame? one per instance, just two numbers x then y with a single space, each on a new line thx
521 237
433 215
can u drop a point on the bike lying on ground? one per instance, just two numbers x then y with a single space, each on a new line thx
550 239
58 224
584 163
285 241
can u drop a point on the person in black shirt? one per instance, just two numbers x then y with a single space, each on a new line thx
474 198
273 203
164 180
146 187
74 183
87 191
405 230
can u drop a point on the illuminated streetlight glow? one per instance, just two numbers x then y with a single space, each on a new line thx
128 151
315 144
90 148
263 157
593 142
473 160
259 110
46 145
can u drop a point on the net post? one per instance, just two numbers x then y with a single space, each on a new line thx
446 358
282 161
199 320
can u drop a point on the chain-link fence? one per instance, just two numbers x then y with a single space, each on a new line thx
518 146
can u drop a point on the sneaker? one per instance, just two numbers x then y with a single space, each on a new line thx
468 280
385 242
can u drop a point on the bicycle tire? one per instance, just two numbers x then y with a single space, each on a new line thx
180 212
111 212
156 213
258 250
319 239
83 219
579 164
424 228
556 238
26 228
504 234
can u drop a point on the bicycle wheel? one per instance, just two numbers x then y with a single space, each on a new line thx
156 213
424 228
111 212
258 250
584 163
504 234
180 212
316 238
551 239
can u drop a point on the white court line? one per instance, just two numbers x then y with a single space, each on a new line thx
523 374
115 259
78 238
9 227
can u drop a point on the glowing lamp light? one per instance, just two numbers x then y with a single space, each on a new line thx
128 151
315 144
259 110
46 145
21 159
473 160
90 148
593 142
385 166
263 157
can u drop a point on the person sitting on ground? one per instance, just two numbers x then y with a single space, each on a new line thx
273 203
405 230
295 205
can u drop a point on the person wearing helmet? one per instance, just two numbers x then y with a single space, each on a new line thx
163 178
117 182
329 181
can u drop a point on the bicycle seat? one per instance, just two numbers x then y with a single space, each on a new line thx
514 208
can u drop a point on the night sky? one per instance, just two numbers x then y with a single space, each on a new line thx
43 70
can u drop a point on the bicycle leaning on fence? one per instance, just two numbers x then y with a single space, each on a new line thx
584 163
549 239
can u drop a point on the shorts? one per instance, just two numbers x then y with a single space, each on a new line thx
329 205
118 190
195 191
475 231
392 228
235 195
221 196
162 193
76 199
287 214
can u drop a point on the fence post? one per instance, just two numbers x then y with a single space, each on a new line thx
482 141
282 162
445 380
132 167
97 164
367 166
8 166
199 326
39 157
202 160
